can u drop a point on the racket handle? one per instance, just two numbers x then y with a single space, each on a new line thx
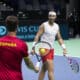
37 56
37 64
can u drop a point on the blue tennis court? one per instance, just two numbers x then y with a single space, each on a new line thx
62 69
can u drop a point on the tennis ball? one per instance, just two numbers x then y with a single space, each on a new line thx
42 51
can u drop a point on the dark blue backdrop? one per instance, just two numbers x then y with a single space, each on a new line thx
28 33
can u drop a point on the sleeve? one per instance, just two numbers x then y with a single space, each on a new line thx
25 50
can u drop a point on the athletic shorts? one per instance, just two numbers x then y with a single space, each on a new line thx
49 56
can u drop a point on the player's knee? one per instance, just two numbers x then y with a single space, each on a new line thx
51 69
50 74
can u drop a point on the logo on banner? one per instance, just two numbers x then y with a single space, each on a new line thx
2 30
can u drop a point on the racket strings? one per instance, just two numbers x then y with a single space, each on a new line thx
74 65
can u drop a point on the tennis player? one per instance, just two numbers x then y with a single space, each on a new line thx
47 32
12 51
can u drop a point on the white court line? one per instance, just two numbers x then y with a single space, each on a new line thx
69 55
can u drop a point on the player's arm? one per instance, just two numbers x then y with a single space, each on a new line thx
26 58
36 39
39 33
61 42
29 64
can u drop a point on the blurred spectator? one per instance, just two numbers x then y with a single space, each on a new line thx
73 22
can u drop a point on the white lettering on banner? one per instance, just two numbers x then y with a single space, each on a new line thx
25 29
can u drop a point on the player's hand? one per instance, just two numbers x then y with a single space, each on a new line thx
36 69
64 52
33 51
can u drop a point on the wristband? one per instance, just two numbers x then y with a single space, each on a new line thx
37 64
33 44
63 46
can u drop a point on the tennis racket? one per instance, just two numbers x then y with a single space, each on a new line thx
73 64
42 48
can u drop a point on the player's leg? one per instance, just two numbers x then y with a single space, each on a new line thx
42 72
48 65
50 69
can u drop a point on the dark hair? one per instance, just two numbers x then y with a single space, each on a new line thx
11 23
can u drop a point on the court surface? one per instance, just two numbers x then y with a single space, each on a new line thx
62 70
